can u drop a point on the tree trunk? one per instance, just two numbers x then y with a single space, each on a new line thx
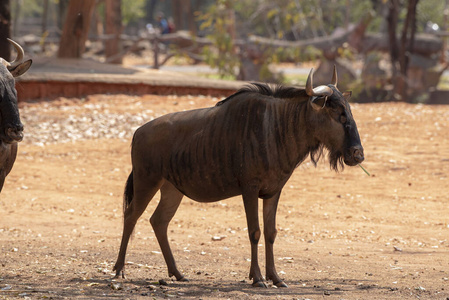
113 29
149 8
97 28
408 36
392 19
17 9
444 29
183 15
62 10
44 32
400 56
76 28
178 7
5 29
190 18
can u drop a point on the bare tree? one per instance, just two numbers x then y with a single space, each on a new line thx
76 28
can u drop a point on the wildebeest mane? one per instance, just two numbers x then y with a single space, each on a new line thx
335 158
276 91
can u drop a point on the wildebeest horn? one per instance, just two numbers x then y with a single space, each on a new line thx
334 77
309 87
19 57
321 90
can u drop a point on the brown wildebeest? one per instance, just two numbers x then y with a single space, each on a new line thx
248 144
10 126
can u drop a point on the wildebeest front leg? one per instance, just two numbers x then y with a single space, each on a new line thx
252 219
170 199
270 232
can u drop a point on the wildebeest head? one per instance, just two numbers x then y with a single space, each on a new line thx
11 127
335 126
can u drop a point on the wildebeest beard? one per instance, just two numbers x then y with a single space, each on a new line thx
335 157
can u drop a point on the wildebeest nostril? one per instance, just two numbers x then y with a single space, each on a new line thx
358 155
15 134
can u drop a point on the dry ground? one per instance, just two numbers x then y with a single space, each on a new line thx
341 235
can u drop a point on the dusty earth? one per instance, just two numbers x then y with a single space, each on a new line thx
341 235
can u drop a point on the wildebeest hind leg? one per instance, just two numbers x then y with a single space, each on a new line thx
144 191
269 222
170 199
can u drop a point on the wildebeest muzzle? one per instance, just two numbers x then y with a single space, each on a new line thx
355 156
354 151
12 134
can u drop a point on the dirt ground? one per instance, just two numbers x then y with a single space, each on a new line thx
341 235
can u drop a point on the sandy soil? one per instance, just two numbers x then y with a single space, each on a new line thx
341 235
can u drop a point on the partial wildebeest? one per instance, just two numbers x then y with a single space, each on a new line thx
248 144
10 126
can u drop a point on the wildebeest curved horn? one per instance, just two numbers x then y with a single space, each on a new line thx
321 90
334 77
309 84
19 57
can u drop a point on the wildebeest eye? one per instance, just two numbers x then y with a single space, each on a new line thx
343 118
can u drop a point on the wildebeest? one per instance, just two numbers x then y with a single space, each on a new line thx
11 127
248 144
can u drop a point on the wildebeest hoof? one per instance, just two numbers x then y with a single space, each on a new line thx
118 275
281 284
183 278
259 283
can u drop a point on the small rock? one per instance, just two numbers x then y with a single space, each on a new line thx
93 284
116 286
397 249
162 282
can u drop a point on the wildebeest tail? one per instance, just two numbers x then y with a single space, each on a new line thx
129 192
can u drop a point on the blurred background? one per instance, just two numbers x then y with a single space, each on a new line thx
385 50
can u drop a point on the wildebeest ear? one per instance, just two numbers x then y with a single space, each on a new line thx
347 95
318 102
21 68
